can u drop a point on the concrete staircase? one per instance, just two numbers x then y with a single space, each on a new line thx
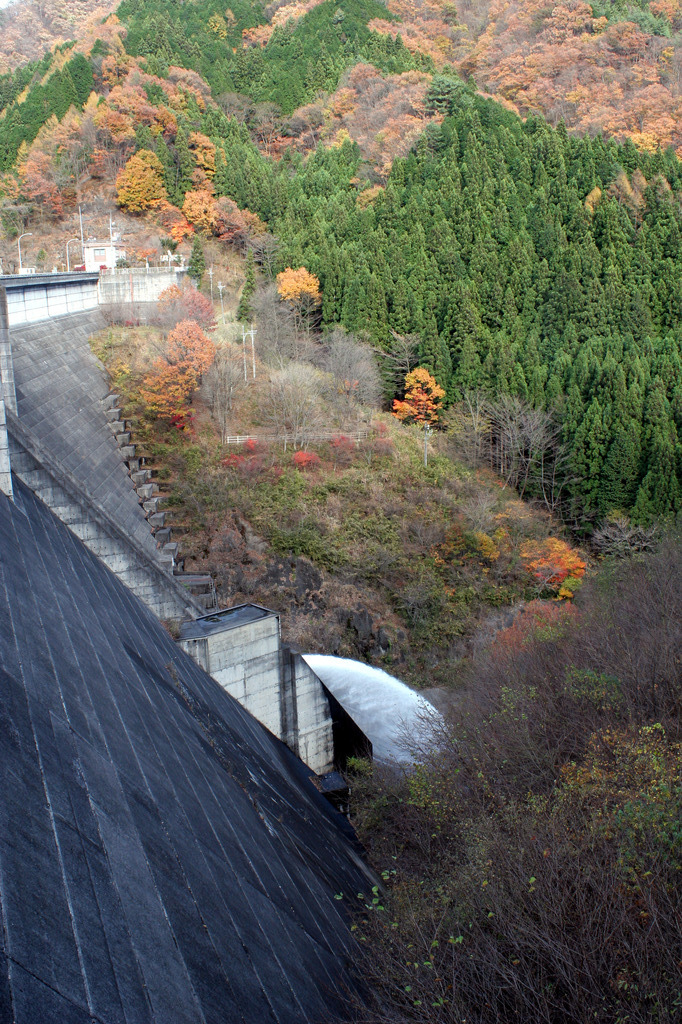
200 585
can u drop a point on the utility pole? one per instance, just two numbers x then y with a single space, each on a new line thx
25 235
220 289
426 438
68 265
210 274
244 350
251 334
80 216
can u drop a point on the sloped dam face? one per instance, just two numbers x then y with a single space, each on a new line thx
392 716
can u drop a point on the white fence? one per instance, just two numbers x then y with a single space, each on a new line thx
302 438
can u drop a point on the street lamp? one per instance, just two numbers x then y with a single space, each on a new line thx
25 235
68 265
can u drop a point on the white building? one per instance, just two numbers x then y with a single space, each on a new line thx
99 254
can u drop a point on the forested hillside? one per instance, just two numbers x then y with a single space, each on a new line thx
526 261
30 28
530 263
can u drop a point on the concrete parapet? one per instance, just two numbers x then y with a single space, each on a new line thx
136 284
35 297
7 388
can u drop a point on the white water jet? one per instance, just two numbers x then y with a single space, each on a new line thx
390 714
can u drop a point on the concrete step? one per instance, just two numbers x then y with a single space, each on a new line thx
162 536
128 452
110 401
133 465
200 586
112 414
157 519
140 477
170 549
151 506
123 438
145 491
118 427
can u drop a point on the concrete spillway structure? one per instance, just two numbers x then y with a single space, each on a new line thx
393 717
241 648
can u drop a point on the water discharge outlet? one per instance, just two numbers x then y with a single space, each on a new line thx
392 716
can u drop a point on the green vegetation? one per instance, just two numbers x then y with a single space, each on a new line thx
638 13
14 82
22 121
300 58
527 262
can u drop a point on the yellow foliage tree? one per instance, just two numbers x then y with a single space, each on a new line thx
139 185
301 290
298 285
199 209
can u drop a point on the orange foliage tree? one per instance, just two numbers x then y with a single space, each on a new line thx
139 185
422 402
204 152
187 344
423 398
38 182
167 389
555 565
199 209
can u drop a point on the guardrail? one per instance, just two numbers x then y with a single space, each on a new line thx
356 435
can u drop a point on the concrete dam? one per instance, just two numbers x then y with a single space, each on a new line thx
37 297
62 434
171 850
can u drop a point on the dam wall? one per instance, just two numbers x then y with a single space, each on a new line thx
62 435
32 298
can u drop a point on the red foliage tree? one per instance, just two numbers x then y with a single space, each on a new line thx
177 304
306 460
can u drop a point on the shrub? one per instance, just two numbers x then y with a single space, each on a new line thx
306 460
342 450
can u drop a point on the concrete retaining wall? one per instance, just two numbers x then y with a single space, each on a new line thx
120 287
35 297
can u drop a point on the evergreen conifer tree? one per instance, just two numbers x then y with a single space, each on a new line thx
197 262
244 309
